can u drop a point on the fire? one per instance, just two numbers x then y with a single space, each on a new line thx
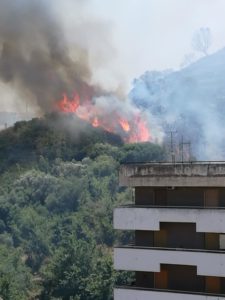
95 122
67 105
132 130
125 125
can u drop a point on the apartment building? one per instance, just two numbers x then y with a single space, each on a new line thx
178 220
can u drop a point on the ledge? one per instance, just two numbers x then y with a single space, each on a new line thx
198 174
149 218
210 263
133 293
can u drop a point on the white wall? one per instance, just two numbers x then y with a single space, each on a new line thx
149 260
131 294
137 218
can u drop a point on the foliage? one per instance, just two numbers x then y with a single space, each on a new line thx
57 197
15 277
52 137
145 152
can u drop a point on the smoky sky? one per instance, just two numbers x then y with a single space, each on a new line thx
34 54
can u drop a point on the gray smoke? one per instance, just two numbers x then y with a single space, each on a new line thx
37 61
190 101
34 54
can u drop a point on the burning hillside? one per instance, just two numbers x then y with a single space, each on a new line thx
36 61
109 114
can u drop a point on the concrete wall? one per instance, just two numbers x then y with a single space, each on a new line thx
132 294
153 175
138 218
149 260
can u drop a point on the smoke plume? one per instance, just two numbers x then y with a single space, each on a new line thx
190 102
34 54
36 59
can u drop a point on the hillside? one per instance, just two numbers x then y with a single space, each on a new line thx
191 100
62 136
58 187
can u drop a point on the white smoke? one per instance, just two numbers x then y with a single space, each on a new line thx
191 101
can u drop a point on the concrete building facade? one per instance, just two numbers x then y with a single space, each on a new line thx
178 220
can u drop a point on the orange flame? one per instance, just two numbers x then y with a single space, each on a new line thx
67 105
131 131
125 125
95 122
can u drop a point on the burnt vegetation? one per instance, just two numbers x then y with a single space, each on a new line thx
58 188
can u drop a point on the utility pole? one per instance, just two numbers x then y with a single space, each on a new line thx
26 111
172 132
182 144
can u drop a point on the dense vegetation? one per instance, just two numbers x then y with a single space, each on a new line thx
57 192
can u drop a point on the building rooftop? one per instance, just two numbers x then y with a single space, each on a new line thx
198 173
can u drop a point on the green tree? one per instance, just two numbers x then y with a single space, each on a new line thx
15 278
79 270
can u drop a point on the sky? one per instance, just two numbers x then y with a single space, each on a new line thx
135 36
156 34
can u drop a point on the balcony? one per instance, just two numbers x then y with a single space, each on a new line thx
134 217
134 293
208 263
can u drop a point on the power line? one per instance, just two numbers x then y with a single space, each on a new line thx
182 144
172 132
